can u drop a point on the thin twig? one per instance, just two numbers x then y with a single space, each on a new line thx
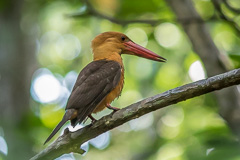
71 141
91 11
217 6
235 10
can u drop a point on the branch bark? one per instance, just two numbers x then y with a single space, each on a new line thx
71 141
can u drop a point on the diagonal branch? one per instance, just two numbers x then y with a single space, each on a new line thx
71 141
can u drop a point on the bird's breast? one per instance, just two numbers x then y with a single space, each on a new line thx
116 92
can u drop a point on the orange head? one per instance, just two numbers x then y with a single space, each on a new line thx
113 44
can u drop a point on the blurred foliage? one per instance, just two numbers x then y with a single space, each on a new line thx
186 131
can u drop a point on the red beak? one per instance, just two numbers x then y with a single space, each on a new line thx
140 51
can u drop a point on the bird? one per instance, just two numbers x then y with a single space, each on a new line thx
102 80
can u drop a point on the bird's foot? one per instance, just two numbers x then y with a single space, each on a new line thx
92 118
112 108
66 131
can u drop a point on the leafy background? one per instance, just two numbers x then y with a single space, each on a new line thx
189 130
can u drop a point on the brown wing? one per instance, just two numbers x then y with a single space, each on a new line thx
93 84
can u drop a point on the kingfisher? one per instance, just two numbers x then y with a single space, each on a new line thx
102 80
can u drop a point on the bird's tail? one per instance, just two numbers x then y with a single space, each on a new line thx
69 114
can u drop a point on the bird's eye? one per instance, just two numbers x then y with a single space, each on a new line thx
123 38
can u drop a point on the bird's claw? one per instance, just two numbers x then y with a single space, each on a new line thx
115 109
92 118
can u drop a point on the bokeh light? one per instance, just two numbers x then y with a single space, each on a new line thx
66 157
45 87
138 36
101 141
70 79
55 19
205 8
3 146
68 46
169 76
174 117
142 122
48 42
140 65
196 71
209 151
167 35
125 127
166 131
129 97
51 115
170 151
85 147
225 40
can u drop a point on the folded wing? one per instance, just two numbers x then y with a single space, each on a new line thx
93 84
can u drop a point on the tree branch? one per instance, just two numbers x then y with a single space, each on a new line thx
115 20
71 141
91 11
213 60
